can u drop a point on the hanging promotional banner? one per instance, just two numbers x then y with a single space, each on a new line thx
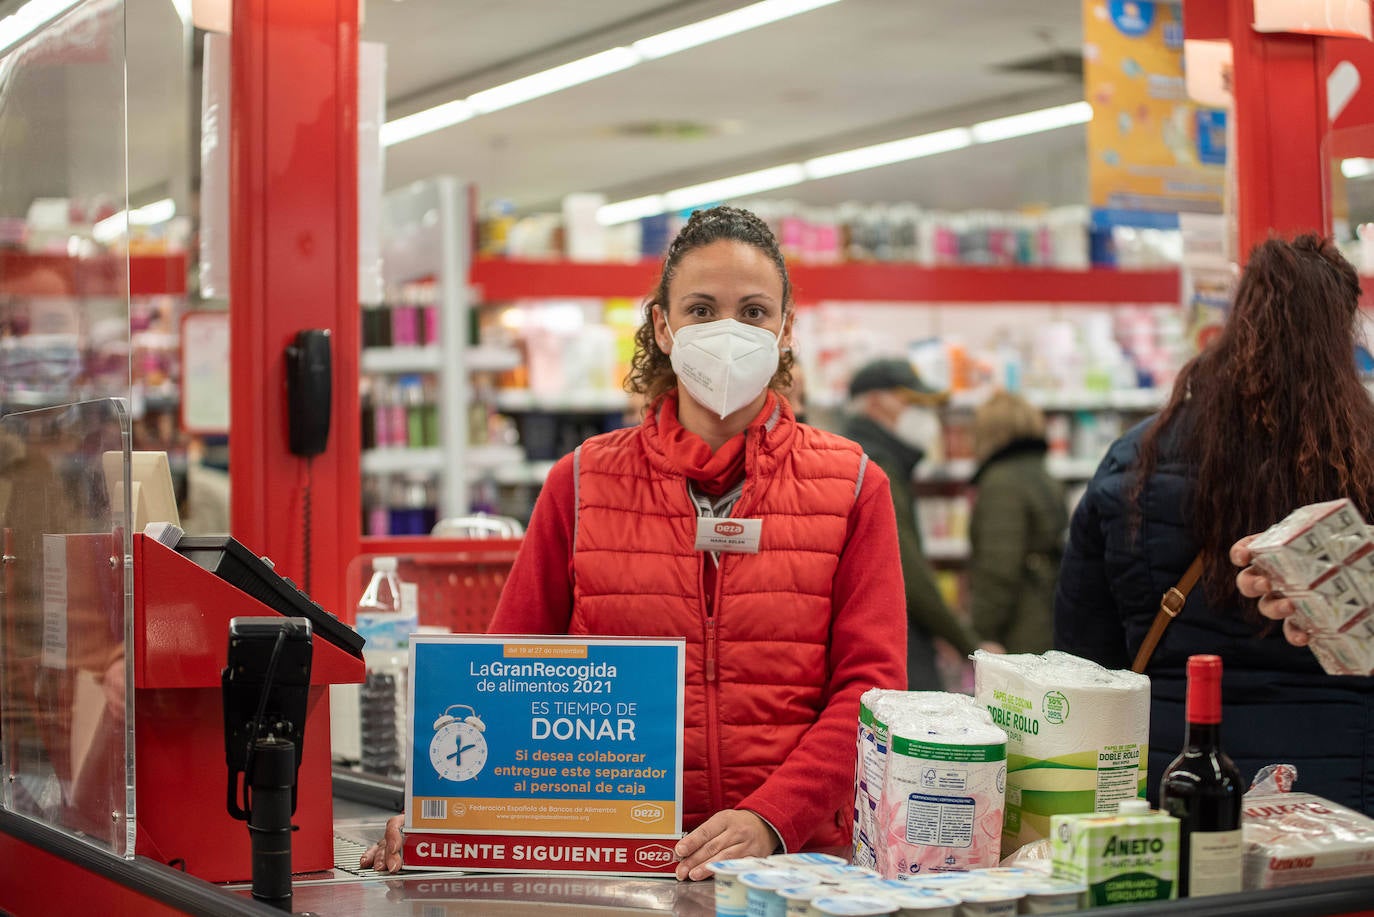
544 753
1152 153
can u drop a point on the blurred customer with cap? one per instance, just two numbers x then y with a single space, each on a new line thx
1018 525
893 415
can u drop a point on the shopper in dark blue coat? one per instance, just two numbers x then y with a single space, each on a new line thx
1271 416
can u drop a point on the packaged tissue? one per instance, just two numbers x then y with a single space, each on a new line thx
1321 555
876 709
1296 838
942 797
1077 736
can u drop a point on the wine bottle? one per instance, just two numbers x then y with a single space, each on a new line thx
1202 789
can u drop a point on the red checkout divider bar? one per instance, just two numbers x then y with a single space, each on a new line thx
617 856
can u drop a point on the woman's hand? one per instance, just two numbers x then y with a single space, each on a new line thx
726 835
1272 604
385 855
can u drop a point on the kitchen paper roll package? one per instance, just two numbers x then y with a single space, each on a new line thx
942 793
877 707
1077 736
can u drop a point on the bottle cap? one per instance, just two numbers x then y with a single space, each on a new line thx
1204 689
384 564
1136 806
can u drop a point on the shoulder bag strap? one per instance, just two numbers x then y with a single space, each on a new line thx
1169 606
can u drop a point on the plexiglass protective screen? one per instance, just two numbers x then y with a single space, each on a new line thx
65 721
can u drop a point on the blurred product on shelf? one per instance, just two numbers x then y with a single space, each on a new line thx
1085 357
899 232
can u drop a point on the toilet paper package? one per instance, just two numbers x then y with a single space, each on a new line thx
942 797
877 707
1077 736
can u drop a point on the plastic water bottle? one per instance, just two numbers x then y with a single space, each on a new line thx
380 615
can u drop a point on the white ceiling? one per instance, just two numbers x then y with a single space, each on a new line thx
850 74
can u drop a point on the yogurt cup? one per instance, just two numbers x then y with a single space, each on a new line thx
796 902
918 904
761 890
843 873
1009 872
946 881
805 860
991 900
1045 895
852 906
731 895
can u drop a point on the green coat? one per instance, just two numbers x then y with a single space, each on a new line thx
1017 539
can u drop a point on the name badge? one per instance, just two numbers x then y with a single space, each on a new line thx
740 536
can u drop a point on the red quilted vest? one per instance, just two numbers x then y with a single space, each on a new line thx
756 670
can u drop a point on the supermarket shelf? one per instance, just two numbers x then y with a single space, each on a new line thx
492 359
430 358
946 549
1133 399
529 473
500 280
493 456
401 359
112 275
956 471
589 400
1066 468
394 460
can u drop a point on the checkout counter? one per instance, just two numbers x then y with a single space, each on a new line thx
117 790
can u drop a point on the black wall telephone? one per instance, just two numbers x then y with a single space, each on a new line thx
309 391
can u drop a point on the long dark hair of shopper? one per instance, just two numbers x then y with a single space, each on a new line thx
1273 414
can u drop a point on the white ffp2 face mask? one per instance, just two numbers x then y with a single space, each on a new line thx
724 364
920 428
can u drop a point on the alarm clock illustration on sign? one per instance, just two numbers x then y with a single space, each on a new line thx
458 752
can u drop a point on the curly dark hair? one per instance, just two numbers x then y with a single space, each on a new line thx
1272 415
651 373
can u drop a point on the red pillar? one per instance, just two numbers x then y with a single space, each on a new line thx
1280 112
293 260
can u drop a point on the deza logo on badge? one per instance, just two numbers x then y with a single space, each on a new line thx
729 529
654 856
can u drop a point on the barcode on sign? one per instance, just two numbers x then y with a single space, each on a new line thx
434 808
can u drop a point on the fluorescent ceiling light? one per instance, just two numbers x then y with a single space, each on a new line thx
735 186
592 67
1032 122
156 212
883 154
424 122
1357 168
29 18
552 80
633 209
723 26
112 227
868 157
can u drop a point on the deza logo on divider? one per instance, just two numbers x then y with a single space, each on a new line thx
729 529
654 856
646 813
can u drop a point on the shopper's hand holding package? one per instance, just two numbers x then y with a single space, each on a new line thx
1254 583
1314 570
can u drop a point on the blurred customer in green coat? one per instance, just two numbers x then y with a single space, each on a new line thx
1017 529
